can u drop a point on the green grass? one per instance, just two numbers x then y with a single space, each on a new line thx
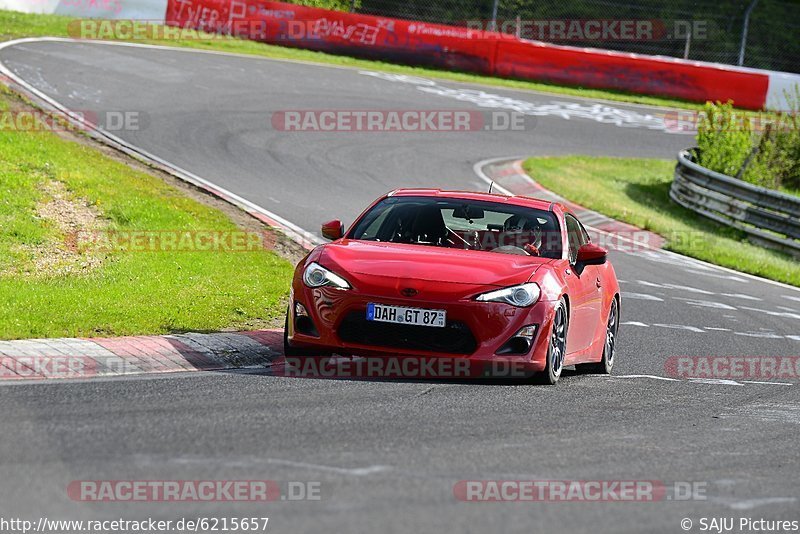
129 292
636 191
14 25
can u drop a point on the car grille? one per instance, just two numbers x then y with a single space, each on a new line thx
454 338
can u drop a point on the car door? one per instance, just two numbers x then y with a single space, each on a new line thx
583 283
599 273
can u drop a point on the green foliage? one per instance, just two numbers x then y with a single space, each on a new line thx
762 149
338 5
723 139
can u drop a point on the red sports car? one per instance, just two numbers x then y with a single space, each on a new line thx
450 274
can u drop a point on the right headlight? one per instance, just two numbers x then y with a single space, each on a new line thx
522 296
316 275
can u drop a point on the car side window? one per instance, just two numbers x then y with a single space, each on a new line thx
576 237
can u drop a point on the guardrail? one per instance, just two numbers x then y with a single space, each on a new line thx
771 218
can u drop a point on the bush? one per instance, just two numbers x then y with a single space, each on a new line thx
337 5
762 149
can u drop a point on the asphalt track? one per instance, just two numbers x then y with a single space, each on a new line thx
388 453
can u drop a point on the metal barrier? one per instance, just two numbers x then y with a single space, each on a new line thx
770 218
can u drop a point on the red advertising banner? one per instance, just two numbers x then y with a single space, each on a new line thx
636 74
319 29
473 50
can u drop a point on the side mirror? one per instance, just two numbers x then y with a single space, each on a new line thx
591 254
333 230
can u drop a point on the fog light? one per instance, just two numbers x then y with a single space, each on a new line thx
518 345
528 332
302 321
521 342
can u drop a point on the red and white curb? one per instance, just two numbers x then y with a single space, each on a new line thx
64 358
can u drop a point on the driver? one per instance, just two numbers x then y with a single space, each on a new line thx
518 231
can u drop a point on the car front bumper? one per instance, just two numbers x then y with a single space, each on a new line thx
335 321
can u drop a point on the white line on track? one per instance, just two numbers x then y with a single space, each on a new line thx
715 275
740 296
703 330
705 381
357 471
681 327
640 296
773 313
705 304
751 503
653 377
761 335
715 382
677 287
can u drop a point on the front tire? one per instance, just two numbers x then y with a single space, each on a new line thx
557 347
605 365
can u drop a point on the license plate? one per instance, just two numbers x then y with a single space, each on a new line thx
403 315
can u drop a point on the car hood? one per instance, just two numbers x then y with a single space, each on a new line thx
433 264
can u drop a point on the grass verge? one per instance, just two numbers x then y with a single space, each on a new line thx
15 25
636 191
52 187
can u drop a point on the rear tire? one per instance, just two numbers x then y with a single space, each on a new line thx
556 348
606 365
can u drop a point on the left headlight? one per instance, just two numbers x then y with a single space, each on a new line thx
316 275
522 296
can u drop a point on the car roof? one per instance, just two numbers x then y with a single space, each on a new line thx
529 202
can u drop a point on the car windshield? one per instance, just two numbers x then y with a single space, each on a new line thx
461 223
